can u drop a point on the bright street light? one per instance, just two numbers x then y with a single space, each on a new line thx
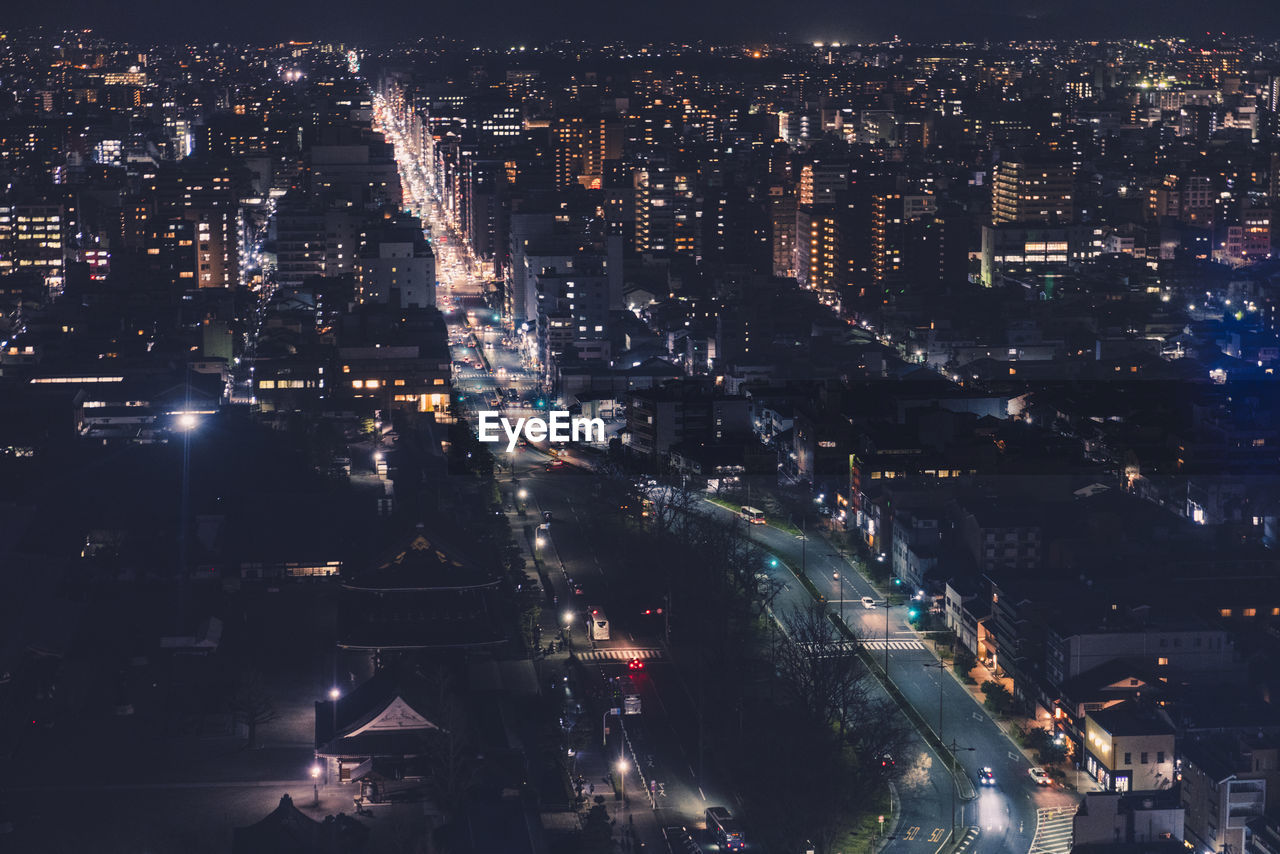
334 693
187 421
623 766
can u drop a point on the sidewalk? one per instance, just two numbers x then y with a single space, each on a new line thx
634 821
975 691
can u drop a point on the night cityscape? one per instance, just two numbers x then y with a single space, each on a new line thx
526 434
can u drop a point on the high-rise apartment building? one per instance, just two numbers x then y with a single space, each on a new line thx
1024 192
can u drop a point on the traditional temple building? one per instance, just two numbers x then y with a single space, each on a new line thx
381 735
287 830
426 595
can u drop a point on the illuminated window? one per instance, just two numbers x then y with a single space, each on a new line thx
437 381
399 382
1162 661
357 383
1250 612
371 384
1225 612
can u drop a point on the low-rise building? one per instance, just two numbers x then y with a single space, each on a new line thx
1108 817
1125 751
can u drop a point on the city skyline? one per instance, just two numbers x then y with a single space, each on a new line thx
840 443
713 21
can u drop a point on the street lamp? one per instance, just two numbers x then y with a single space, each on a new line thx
840 598
953 783
315 784
941 668
623 766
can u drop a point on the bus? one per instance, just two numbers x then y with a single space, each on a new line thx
599 628
725 828
752 515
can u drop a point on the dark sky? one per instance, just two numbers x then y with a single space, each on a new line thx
539 20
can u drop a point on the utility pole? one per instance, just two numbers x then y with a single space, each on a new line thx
940 666
886 637
804 541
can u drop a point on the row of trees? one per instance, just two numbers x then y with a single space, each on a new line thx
786 709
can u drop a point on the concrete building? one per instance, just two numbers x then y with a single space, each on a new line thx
1108 817
1128 752
660 418
1224 790
397 267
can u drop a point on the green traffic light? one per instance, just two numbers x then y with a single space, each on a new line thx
773 562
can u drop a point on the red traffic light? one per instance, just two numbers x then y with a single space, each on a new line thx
647 612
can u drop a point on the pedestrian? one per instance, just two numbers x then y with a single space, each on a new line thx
592 790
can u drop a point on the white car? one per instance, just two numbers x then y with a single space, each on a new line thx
868 602
1040 777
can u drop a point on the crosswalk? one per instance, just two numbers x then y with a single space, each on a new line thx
850 646
1053 831
893 644
619 654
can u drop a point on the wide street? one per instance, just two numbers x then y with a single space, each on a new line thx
1008 812
491 374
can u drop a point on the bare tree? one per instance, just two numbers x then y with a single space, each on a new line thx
820 671
452 765
673 503
251 702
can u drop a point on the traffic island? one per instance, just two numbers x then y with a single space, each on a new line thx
966 840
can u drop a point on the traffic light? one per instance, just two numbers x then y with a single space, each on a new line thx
773 561
912 614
